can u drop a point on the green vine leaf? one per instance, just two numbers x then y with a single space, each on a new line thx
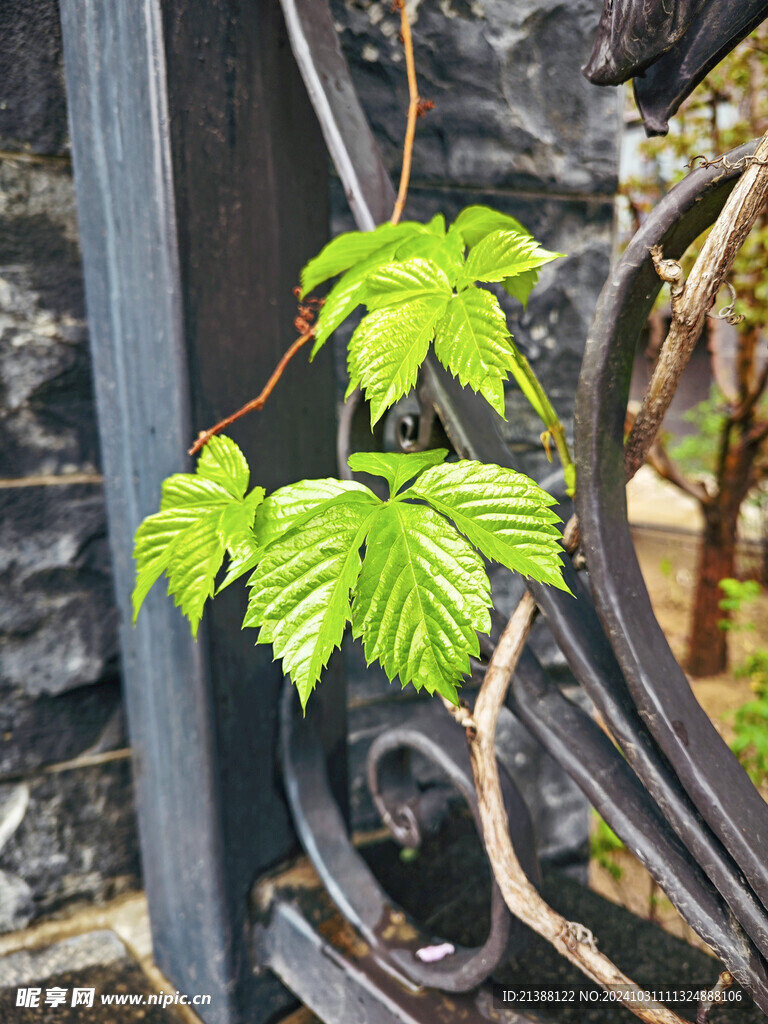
196 557
407 275
202 516
504 254
397 283
422 595
521 286
351 248
289 505
475 222
346 295
395 468
387 349
373 250
447 251
505 514
472 341
300 591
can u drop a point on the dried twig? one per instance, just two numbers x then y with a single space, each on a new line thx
413 113
255 403
573 941
660 461
692 301
723 983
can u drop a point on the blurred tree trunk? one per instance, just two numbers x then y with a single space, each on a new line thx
738 471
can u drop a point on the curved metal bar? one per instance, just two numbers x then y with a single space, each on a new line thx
631 36
717 28
580 635
393 938
345 128
584 644
410 813
711 775
585 752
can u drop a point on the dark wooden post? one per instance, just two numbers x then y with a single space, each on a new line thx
202 182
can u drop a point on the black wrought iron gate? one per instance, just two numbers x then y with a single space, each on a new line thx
192 231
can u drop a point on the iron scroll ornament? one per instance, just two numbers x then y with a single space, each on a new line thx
393 938
699 857
667 48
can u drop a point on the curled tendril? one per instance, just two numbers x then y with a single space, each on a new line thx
728 313
700 161
697 161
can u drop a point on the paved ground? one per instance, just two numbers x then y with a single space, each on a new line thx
101 955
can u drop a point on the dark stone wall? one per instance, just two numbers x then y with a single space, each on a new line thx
66 816
514 126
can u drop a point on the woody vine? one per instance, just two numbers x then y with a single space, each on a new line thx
407 572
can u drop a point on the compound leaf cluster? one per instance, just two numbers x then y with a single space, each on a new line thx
407 572
203 515
419 284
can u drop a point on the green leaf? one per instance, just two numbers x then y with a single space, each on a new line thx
504 254
186 490
447 252
521 286
300 591
503 513
152 547
351 248
222 462
236 519
195 558
202 515
396 283
397 469
421 597
475 222
244 555
436 226
387 349
285 507
472 341
346 295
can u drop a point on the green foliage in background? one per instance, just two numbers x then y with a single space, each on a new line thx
738 595
750 721
604 844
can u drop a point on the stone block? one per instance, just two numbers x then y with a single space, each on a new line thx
512 109
67 836
97 961
33 106
74 954
57 615
36 731
47 414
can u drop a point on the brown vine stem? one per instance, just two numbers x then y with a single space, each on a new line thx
692 301
255 403
571 940
413 113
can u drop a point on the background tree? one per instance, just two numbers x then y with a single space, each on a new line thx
727 461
